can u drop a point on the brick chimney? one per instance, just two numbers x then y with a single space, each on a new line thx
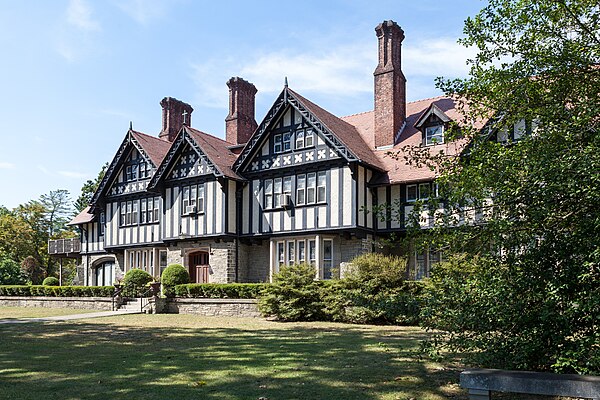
390 85
175 114
240 123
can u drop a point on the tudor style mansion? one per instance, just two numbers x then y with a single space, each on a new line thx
297 187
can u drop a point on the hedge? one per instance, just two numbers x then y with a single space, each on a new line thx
220 290
57 291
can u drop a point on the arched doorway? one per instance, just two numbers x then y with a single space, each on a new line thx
199 267
104 273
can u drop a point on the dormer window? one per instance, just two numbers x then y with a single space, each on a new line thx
434 135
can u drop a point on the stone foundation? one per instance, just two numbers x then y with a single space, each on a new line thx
87 303
214 307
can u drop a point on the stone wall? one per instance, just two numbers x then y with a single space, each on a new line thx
256 262
221 258
214 307
87 303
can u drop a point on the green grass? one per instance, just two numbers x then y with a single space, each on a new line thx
191 357
36 312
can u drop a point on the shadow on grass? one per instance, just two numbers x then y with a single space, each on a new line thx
112 361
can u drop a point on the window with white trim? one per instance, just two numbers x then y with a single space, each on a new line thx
149 210
281 253
301 190
327 258
277 144
434 135
268 193
287 141
301 253
291 252
421 191
128 213
101 223
312 252
304 138
422 263
192 199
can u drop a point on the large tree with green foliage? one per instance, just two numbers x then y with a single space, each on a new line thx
525 293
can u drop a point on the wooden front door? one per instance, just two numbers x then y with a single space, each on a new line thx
199 268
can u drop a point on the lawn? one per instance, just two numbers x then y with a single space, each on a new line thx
191 357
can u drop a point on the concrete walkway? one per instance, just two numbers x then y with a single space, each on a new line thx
68 317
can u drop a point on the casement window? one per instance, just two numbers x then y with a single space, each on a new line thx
287 141
327 258
277 144
311 187
276 190
421 191
162 260
304 138
422 263
300 139
434 135
309 138
301 252
281 253
101 224
149 210
144 170
128 213
291 253
312 252
268 193
301 190
192 199
321 185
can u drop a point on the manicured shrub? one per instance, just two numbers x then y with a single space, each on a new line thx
294 295
373 291
175 274
51 281
135 280
57 291
217 290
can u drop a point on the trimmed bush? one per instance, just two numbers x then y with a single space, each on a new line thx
175 274
51 281
135 280
374 292
294 295
220 291
57 291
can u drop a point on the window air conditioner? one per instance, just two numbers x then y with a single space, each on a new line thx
191 210
286 200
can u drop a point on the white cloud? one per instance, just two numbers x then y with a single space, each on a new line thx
44 170
142 11
7 165
436 57
342 71
73 174
79 14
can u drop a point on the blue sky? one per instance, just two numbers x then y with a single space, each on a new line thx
73 73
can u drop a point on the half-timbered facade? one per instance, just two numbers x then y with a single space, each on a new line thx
298 187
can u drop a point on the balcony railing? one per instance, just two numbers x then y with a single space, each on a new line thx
64 246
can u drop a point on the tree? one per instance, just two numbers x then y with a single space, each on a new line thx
58 210
88 189
32 269
525 293
10 272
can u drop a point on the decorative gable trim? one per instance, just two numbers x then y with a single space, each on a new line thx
172 156
432 110
117 161
287 97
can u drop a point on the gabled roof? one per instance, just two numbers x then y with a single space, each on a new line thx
431 110
398 170
216 151
83 217
342 136
152 149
